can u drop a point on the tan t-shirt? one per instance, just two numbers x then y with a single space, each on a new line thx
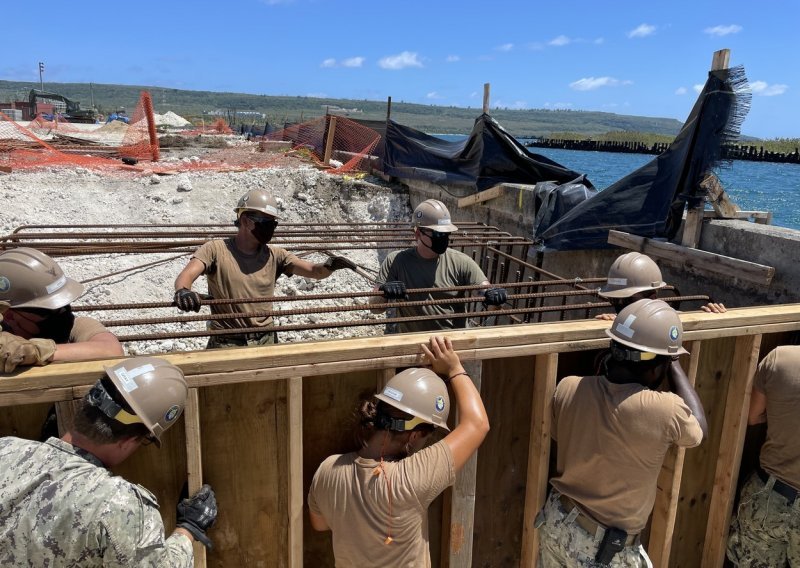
612 440
356 505
232 274
83 329
778 377
453 268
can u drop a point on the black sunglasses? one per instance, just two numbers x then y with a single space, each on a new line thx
266 221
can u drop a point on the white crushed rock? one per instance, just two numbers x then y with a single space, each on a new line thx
169 118
76 196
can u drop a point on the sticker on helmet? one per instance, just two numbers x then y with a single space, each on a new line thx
443 221
127 383
271 210
5 284
172 413
624 328
57 285
439 403
617 281
419 214
673 333
393 394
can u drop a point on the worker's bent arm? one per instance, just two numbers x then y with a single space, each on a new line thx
103 345
473 423
310 270
680 385
318 522
189 274
758 408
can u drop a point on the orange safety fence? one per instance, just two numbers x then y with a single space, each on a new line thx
336 144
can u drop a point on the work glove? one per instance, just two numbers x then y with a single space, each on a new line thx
3 307
394 290
197 514
495 297
187 300
15 350
338 263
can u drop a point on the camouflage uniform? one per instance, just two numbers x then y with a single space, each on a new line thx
60 507
766 531
566 544
249 340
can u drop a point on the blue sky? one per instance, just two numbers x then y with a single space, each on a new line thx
629 57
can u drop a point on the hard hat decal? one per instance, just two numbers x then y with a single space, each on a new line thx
443 221
673 333
133 373
57 285
271 210
618 281
5 284
439 403
393 394
625 327
172 413
419 214
128 384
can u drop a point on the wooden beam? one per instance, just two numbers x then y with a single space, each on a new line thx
329 141
729 457
544 386
294 442
718 198
462 501
486 89
194 459
720 59
694 260
762 217
665 510
480 197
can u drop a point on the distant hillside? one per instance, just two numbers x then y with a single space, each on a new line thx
428 118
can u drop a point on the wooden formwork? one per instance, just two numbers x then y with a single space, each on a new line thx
260 419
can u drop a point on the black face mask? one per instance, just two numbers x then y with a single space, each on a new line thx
263 229
56 325
439 242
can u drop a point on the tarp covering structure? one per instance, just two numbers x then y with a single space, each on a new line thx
489 156
650 201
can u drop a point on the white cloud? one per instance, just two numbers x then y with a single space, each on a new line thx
516 105
330 62
317 95
592 83
400 61
720 31
452 58
643 30
558 105
680 91
353 62
766 90
505 47
559 41
433 95
698 88
599 41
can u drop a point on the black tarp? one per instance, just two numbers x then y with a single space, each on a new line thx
650 201
489 156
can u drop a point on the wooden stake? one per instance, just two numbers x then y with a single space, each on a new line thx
486 88
294 441
194 459
329 142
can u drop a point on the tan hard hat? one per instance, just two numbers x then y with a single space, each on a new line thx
257 200
155 390
419 392
651 326
432 214
31 279
630 274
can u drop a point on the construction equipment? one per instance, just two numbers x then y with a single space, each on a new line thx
73 111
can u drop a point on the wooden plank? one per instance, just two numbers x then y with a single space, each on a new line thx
736 409
668 486
194 459
65 413
692 227
462 499
720 59
486 89
481 196
544 386
294 442
763 217
693 260
718 198
329 141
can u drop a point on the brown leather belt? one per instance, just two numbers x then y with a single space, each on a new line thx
587 523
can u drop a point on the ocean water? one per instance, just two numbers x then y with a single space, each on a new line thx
753 186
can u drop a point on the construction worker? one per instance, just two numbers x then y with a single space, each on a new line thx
432 264
612 433
246 266
37 320
375 500
766 530
635 276
61 506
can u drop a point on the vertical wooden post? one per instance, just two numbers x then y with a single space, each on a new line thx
388 109
737 406
544 386
65 413
693 225
329 142
665 509
294 441
383 378
486 88
462 502
194 459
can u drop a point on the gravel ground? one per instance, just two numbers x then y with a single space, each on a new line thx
75 196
